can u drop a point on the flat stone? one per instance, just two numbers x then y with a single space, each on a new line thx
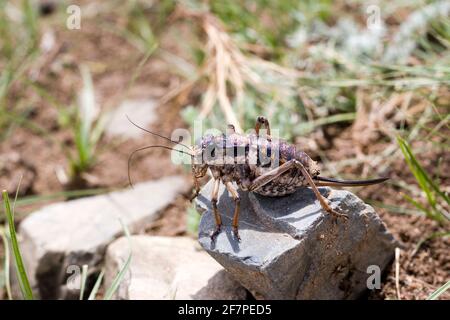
77 232
291 249
168 268
141 111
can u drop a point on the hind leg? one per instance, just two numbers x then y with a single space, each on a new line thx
323 202
237 202
271 175
275 173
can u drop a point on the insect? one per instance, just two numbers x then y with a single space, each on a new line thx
256 163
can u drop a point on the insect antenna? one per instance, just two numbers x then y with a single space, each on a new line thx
145 148
157 134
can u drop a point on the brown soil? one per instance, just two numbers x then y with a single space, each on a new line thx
425 268
111 60
421 271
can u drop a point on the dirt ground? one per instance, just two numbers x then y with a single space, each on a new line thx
37 156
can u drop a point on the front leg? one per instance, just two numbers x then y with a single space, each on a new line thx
214 196
196 191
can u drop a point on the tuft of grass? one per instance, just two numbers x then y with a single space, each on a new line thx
431 189
88 127
90 122
139 31
19 48
439 291
25 287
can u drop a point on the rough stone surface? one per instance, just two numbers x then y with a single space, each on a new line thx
77 232
291 249
168 268
141 111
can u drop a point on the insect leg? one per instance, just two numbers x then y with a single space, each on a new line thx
262 121
271 175
323 202
237 202
197 189
214 196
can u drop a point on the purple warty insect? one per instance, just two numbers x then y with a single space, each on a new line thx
260 164
256 163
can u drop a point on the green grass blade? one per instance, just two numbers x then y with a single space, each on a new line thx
394 209
417 170
87 106
22 274
431 183
439 291
427 185
115 284
423 174
97 284
29 200
83 280
432 236
30 21
6 263
15 197
309 126
48 198
417 205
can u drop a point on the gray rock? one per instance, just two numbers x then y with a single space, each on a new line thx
141 111
77 232
168 268
291 249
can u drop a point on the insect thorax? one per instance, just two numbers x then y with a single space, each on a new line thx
242 158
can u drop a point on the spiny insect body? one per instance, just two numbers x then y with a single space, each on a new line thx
256 163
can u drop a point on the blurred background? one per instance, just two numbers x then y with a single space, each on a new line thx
361 86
